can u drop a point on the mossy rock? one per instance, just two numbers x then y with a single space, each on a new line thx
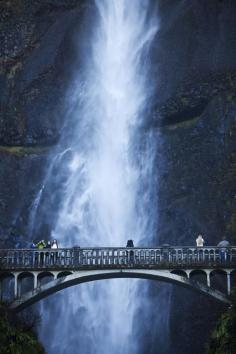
223 339
16 337
24 150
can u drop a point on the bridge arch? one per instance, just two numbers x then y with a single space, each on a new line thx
25 274
219 279
64 274
7 280
199 275
79 277
45 277
180 272
25 282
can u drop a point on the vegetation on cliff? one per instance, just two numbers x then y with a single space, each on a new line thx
17 334
223 339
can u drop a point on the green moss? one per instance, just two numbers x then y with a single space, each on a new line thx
230 98
184 100
24 150
231 225
16 337
223 339
13 70
15 5
183 124
231 80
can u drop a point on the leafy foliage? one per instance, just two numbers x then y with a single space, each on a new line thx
223 339
17 336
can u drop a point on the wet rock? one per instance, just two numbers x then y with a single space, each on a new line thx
197 188
35 67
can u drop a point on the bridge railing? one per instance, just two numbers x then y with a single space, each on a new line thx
115 257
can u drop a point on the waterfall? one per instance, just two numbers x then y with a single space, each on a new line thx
106 182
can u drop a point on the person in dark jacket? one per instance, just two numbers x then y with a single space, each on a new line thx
130 243
130 254
48 245
223 251
33 245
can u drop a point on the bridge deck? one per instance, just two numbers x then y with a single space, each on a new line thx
71 266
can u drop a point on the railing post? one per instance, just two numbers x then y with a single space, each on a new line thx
139 257
71 257
214 254
44 259
169 256
203 255
23 258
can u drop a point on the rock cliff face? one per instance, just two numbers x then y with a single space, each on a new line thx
37 52
194 109
196 112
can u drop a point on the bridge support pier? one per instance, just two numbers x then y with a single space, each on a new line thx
35 281
16 286
228 283
19 289
208 278
188 273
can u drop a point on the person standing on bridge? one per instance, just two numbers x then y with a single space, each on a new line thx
33 245
223 244
130 254
41 244
54 245
200 241
48 245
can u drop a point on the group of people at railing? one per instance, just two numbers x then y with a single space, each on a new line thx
223 245
44 245
200 242
223 253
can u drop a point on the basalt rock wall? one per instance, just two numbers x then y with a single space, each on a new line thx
196 113
38 52
194 109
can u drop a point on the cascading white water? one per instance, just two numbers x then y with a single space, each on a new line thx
107 179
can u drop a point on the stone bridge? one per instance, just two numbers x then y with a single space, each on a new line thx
45 271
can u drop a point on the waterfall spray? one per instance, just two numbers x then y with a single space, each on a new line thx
108 181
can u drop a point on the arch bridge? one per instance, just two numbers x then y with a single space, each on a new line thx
51 270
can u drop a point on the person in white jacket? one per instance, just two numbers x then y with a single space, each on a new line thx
200 241
54 255
54 244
